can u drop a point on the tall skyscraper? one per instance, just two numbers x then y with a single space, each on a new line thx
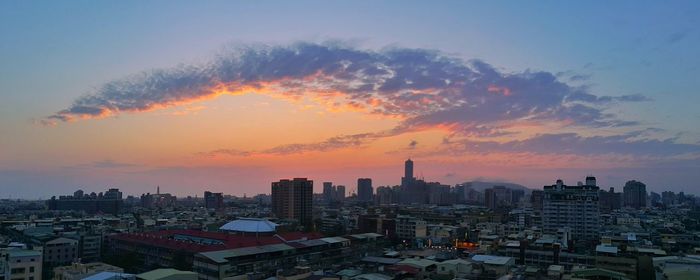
408 178
572 207
292 199
635 194
365 192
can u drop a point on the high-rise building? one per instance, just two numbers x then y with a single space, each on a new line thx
408 178
339 193
498 196
536 199
635 194
385 195
610 200
575 208
292 199
668 198
440 194
365 192
329 194
213 200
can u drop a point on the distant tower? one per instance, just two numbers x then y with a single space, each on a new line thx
408 179
364 189
158 190
408 166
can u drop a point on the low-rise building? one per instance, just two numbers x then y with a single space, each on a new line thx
20 264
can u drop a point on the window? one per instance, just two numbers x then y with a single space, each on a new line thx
31 269
17 270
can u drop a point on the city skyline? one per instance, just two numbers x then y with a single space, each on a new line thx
230 96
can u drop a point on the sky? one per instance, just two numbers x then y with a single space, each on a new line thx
231 95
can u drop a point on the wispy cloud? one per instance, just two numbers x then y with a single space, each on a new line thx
632 143
425 87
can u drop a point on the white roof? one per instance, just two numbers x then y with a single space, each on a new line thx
249 225
606 249
488 259
109 276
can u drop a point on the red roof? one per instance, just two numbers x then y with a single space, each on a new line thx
165 238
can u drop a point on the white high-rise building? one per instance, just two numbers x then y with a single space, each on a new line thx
575 208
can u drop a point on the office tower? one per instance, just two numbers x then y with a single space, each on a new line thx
364 189
610 200
575 208
329 194
412 191
635 194
213 200
408 178
292 199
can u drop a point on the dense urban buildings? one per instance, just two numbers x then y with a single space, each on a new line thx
473 230
107 202
293 199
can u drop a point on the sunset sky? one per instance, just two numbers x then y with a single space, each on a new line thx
230 96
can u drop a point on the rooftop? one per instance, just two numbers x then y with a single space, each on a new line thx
162 273
196 241
249 225
495 260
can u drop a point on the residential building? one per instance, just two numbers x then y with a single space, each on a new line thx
20 264
635 194
213 200
572 207
292 199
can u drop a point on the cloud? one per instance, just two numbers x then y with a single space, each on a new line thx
108 163
631 143
423 89
329 144
676 37
412 145
426 88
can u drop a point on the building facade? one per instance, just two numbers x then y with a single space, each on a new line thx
574 207
293 199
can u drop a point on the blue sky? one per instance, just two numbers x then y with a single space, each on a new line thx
54 52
